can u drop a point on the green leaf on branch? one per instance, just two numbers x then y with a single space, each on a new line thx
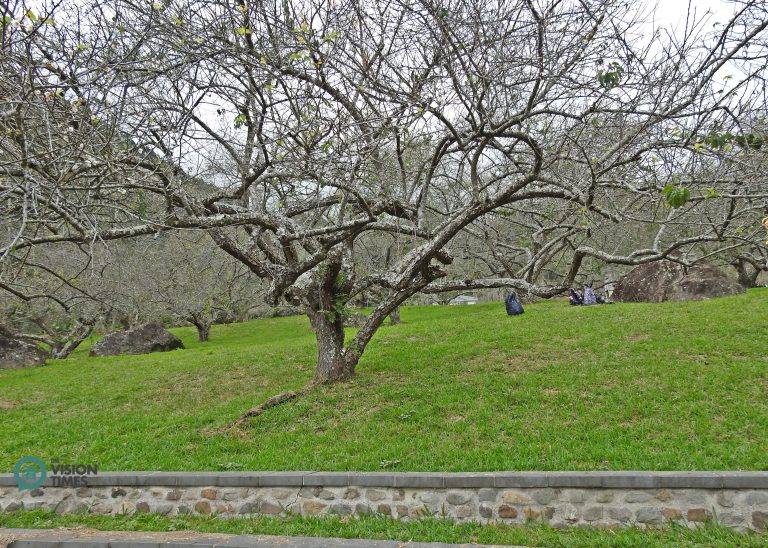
676 196
610 77
330 37
240 120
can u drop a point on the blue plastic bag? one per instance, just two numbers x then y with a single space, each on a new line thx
514 307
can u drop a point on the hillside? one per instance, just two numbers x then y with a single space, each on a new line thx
629 386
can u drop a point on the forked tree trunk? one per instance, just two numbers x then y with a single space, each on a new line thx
203 332
331 362
746 278
203 328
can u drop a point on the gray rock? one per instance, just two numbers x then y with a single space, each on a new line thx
279 494
485 511
620 513
637 496
351 493
146 338
696 497
429 497
249 508
668 281
341 509
269 508
457 498
71 508
649 514
487 495
543 496
573 496
462 512
756 498
604 496
593 513
308 492
164 509
15 354
725 499
375 495
102 508
730 519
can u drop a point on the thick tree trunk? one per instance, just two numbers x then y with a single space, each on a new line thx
203 331
746 278
203 327
331 362
394 317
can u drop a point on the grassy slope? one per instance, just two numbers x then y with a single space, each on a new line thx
629 386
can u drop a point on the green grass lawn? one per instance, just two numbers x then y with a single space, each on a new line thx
673 386
423 530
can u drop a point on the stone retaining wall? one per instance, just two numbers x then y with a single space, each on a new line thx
562 499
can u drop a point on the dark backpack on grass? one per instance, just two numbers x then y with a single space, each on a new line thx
574 298
513 305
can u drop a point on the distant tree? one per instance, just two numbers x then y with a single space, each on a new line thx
183 277
48 302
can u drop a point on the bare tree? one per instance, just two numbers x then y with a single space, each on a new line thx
49 301
295 133
183 277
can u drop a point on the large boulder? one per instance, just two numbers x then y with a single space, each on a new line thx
15 354
146 338
669 281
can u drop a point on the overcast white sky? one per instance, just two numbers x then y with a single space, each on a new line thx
672 13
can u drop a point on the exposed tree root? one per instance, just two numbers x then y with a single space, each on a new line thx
259 409
274 401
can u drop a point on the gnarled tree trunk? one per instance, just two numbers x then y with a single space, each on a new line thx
203 331
332 364
746 278
203 326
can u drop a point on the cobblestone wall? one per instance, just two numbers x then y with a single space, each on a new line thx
742 508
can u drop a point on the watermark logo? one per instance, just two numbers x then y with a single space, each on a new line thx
72 475
29 473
